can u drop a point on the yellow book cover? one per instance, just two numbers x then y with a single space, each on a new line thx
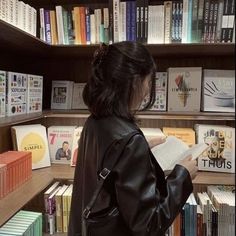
53 27
187 135
32 138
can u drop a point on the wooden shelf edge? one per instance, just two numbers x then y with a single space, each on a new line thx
15 200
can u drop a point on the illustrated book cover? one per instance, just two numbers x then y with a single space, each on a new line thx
218 93
32 138
220 157
184 89
60 139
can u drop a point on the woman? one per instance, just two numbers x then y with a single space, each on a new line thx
122 75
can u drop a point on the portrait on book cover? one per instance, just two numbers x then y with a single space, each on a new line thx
59 94
63 152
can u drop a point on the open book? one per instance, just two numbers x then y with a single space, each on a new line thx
173 150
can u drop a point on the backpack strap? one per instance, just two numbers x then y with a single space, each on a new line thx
110 160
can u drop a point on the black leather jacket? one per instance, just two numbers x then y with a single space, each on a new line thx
148 202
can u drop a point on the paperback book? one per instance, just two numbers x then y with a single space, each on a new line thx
184 89
173 150
34 93
16 94
187 135
2 93
60 139
61 97
75 145
161 93
32 138
220 156
77 98
218 93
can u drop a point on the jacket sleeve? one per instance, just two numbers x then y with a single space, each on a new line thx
146 211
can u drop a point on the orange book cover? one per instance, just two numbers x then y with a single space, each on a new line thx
77 28
54 27
187 135
177 225
82 24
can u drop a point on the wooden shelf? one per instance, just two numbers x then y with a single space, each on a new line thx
43 177
148 115
40 180
18 41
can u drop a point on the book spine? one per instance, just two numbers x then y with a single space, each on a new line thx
145 21
128 20
110 7
210 22
133 21
167 21
42 24
116 15
106 25
214 23
231 20
122 34
185 21
71 34
219 20
65 25
88 29
224 25
47 26
82 25
195 21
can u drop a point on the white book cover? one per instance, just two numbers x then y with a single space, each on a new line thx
61 97
75 145
34 93
2 93
184 89
220 157
218 90
116 20
161 93
32 138
16 94
77 98
60 139
20 15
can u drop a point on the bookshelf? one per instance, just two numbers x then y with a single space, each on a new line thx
24 53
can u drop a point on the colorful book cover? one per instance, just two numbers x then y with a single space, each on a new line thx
32 138
161 93
61 94
184 89
75 145
2 93
218 93
220 156
34 93
16 94
60 139
187 135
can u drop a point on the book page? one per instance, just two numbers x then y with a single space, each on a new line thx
167 153
174 150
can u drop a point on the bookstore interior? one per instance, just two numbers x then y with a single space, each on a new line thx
46 50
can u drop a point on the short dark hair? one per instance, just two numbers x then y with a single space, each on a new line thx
118 71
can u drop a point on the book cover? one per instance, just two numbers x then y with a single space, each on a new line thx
77 98
184 89
3 173
75 145
2 93
32 138
161 93
218 93
16 94
60 139
220 156
173 150
34 93
61 94
187 135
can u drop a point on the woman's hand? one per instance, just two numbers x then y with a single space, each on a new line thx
152 142
190 165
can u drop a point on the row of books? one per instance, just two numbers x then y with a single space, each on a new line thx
19 14
23 223
209 213
57 144
20 93
185 21
15 169
188 89
215 148
57 201
67 95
